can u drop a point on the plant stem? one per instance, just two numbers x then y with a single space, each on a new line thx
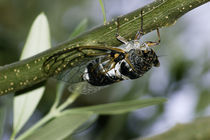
13 135
37 125
60 88
69 101
160 13
52 114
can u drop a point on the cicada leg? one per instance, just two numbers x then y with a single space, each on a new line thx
154 43
128 61
118 36
140 33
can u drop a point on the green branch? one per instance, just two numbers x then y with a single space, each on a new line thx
160 13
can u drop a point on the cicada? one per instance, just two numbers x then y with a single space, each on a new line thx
110 65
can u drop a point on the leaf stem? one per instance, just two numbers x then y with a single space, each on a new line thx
37 125
60 88
54 112
69 101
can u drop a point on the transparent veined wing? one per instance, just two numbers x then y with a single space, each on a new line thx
74 74
69 65
84 88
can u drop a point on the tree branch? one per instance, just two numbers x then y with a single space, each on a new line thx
160 13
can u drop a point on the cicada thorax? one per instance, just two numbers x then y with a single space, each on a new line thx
141 60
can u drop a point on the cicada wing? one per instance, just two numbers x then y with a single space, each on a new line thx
84 88
75 74
72 75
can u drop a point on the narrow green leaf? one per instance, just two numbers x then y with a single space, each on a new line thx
119 107
38 40
196 130
103 10
2 120
203 101
59 92
5 107
79 29
60 127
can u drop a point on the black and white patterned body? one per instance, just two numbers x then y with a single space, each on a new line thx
113 64
96 74
135 62
129 61
141 61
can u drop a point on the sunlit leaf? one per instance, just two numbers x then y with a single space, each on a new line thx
60 127
38 40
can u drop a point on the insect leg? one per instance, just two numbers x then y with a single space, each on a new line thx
139 34
154 43
118 36
158 33
100 61
109 66
128 61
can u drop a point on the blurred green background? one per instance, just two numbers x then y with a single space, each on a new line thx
183 77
